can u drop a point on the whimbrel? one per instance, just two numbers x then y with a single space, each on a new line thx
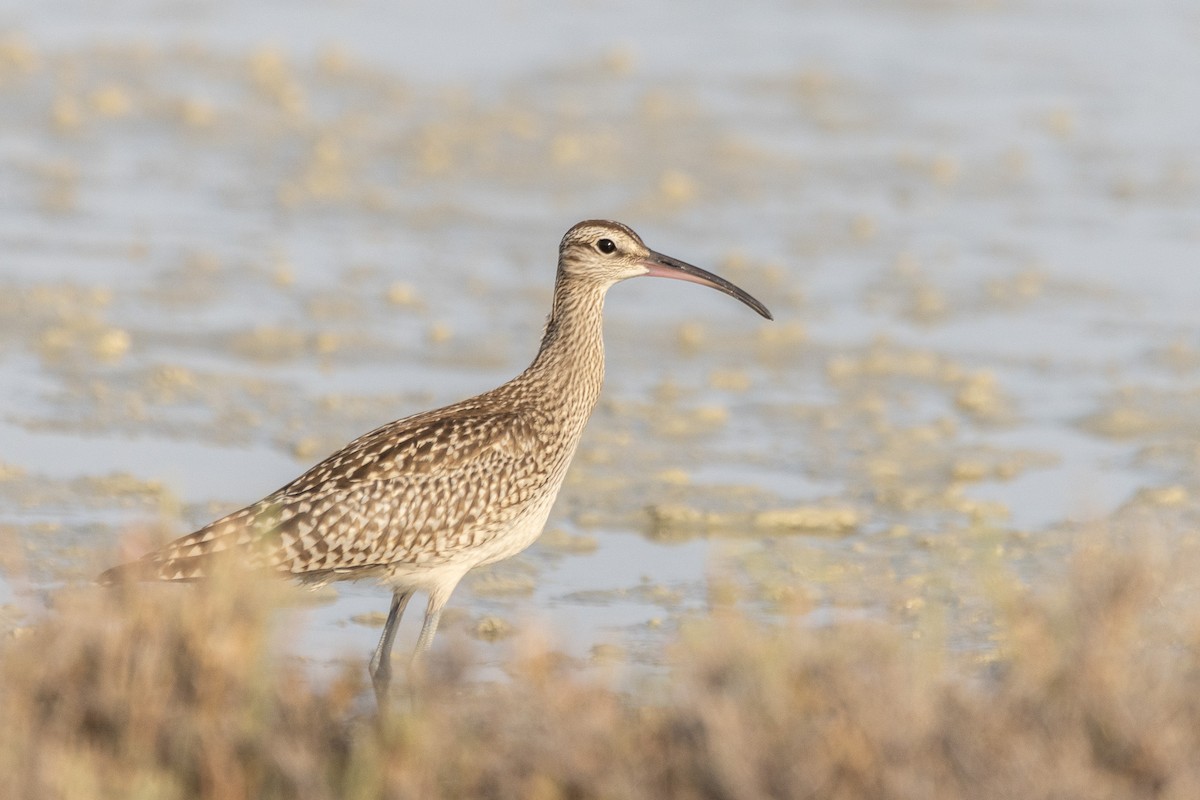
419 502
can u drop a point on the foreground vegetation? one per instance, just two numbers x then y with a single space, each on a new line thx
158 692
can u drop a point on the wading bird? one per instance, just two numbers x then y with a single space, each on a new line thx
419 502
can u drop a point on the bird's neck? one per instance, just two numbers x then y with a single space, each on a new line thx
570 362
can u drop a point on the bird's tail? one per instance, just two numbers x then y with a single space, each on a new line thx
149 568
238 541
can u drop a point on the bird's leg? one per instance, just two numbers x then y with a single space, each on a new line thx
381 661
433 614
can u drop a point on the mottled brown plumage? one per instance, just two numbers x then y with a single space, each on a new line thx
419 502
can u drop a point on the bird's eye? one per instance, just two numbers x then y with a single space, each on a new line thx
606 246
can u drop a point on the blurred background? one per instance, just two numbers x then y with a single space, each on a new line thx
233 236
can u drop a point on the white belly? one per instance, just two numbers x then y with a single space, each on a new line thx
523 531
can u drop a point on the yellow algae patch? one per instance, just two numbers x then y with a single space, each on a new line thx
371 619
883 360
594 455
1059 122
335 305
660 595
786 595
1143 411
1025 285
671 522
491 629
111 101
327 343
333 60
1181 356
620 61
123 485
10 472
54 343
730 380
17 55
502 584
864 227
168 382
645 592
882 468
605 653
673 515
80 332
197 112
202 264
66 115
271 75
813 82
722 592
283 273
980 396
1122 422
305 448
700 420
922 468
270 343
660 105
928 303
809 518
978 511
945 170
1165 496
566 149
667 392
526 127
674 477
677 188
970 470
986 466
325 175
402 294
690 337
435 151
111 344
734 262
711 416
439 332
559 541
59 189
781 335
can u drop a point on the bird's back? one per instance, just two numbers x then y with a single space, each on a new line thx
438 488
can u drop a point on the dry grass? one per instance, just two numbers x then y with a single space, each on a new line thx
163 692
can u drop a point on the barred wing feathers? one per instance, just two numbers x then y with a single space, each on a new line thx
417 490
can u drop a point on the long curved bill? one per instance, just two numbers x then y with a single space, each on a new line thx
660 266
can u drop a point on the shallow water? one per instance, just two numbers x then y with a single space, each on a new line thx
237 236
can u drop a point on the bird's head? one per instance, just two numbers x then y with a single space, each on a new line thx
604 252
